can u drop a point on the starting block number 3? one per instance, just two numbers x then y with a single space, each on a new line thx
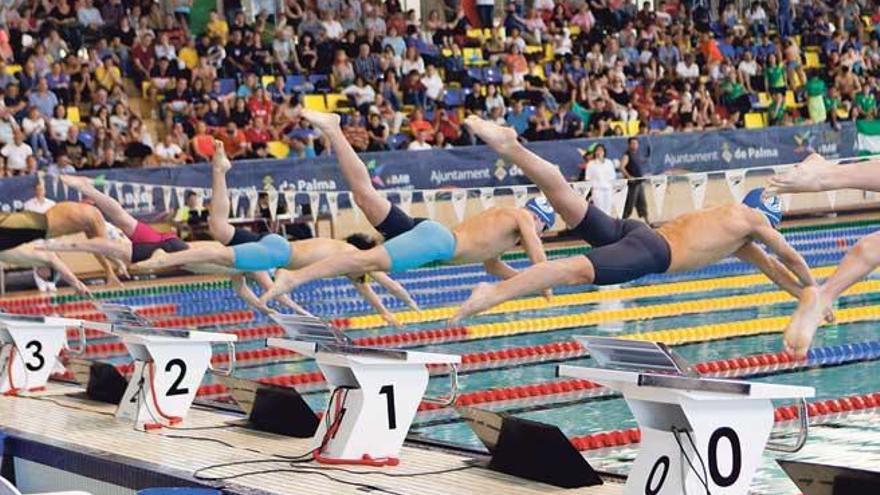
27 361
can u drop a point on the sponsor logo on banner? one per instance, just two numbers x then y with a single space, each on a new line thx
381 179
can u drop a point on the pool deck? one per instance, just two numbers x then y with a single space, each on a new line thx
56 418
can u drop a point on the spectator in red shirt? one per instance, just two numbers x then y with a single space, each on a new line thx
418 124
260 104
258 135
446 123
143 57
234 141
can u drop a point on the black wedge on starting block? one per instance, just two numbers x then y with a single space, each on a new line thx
824 479
530 449
273 409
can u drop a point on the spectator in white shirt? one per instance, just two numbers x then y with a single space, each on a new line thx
45 278
16 154
34 128
687 68
332 27
419 144
89 16
168 152
601 174
412 61
60 125
362 93
433 84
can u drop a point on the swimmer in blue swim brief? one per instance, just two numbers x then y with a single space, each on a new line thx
414 242
625 250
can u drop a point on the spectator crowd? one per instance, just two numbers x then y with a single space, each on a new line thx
90 84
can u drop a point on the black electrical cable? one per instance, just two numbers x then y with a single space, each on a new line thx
703 481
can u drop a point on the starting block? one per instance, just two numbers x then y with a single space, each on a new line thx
169 365
29 349
699 435
375 393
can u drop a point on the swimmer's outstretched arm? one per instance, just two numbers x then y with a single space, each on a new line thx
29 255
816 174
789 257
265 281
394 288
102 247
753 254
575 270
375 301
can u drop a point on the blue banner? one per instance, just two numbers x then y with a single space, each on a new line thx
477 166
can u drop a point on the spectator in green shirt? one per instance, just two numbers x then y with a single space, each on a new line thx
832 104
774 75
736 98
865 103
816 90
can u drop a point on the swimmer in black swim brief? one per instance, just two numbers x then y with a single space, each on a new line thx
626 250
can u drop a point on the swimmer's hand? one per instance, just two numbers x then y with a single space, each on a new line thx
389 318
82 289
548 294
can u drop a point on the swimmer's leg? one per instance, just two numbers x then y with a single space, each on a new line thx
570 206
214 254
29 255
863 259
567 271
218 217
98 246
108 206
374 206
348 263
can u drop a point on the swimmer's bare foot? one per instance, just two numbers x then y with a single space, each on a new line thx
809 176
158 260
220 162
285 281
324 121
802 327
77 182
481 299
286 301
497 137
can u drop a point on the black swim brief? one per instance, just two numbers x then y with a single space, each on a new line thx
397 222
245 236
21 228
623 250
141 251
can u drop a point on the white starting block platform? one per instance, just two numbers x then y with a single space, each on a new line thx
29 350
375 393
697 435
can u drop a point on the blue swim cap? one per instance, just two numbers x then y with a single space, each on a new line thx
539 206
770 207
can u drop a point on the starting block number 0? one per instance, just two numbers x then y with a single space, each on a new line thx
659 472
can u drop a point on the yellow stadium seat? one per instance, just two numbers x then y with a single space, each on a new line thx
842 113
574 30
145 89
278 149
13 69
315 102
267 80
532 49
790 101
633 127
619 124
755 120
446 52
811 60
473 56
474 33
338 103
73 115
538 71
764 99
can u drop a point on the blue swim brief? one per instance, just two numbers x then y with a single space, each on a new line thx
272 251
426 242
